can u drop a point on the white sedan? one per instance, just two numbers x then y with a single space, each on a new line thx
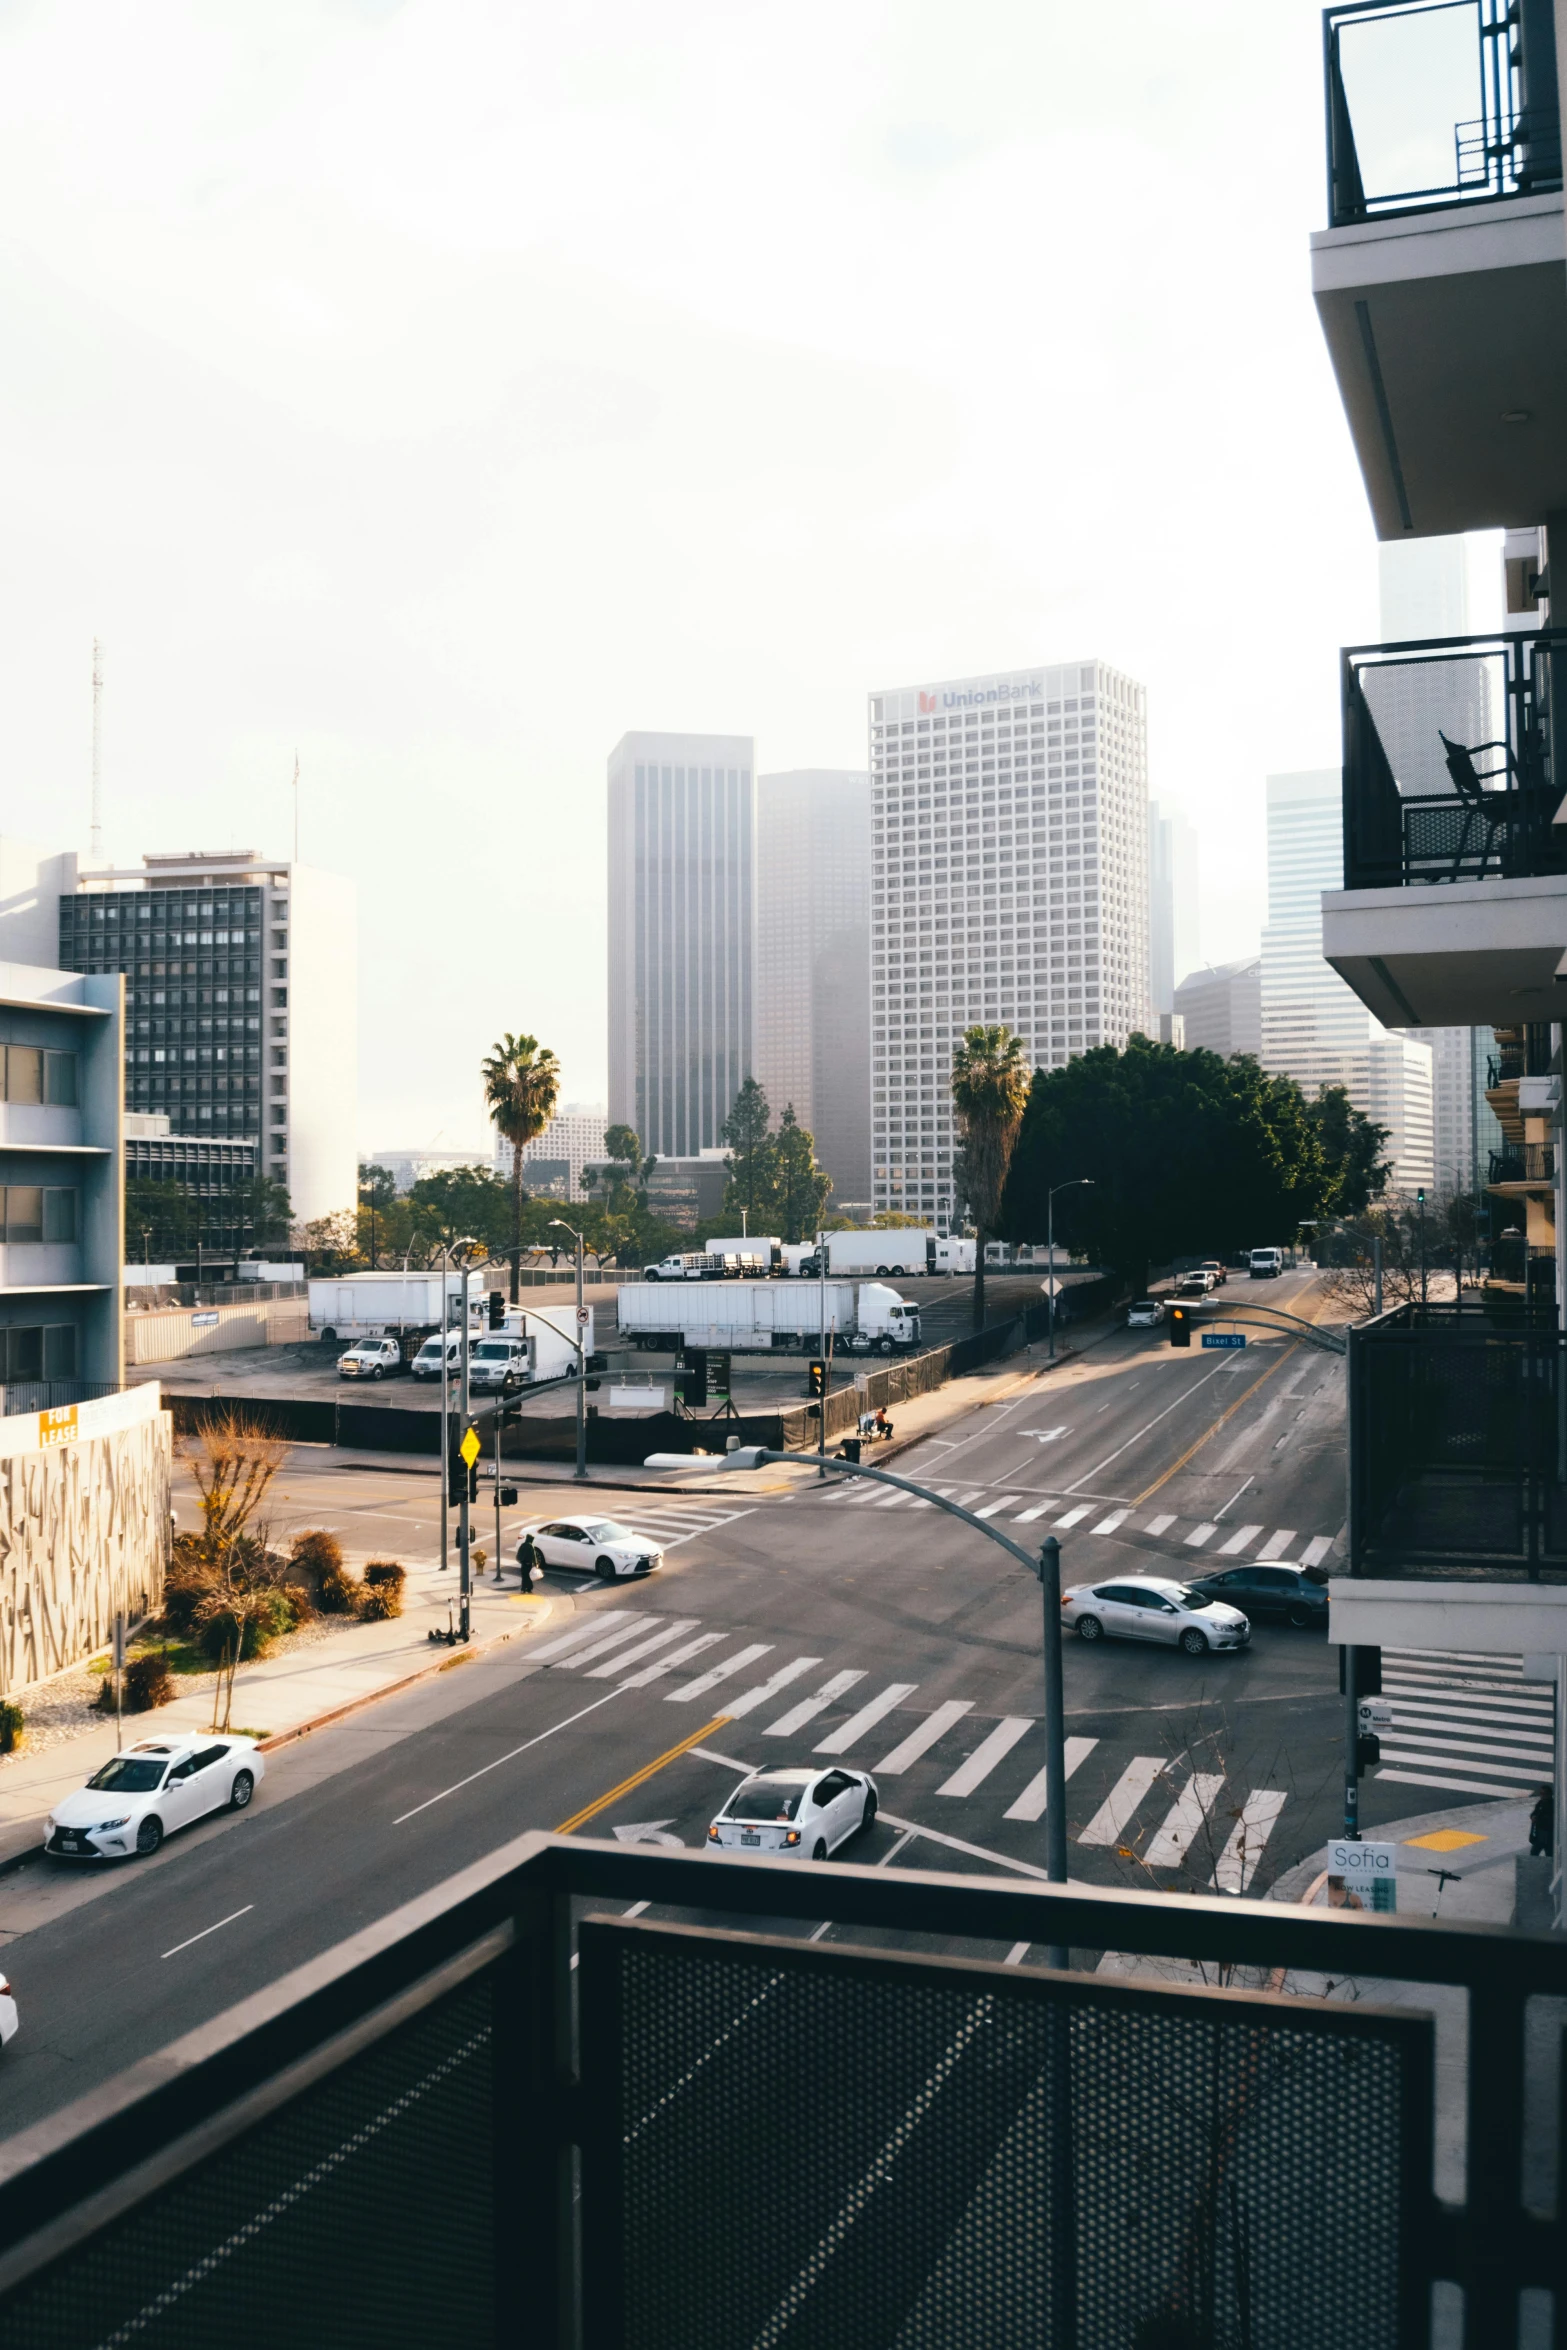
806 1814
1148 1607
594 1546
153 1788
9 2018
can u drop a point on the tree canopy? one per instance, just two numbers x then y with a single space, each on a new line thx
521 1087
1187 1155
773 1177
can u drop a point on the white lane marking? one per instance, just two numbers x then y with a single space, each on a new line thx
1200 1534
893 1501
1109 1822
1185 1393
1459 1716
642 1648
1002 1860
934 1726
751 1698
485 1769
809 1707
1018 1952
590 1649
1224 1510
963 1499
987 1754
1513 1746
819 1931
893 1850
840 1740
1535 1775
1237 1863
711 1527
1083 1510
1238 1541
1183 1820
1316 1550
591 1629
1030 1805
1159 1525
1026 1517
993 1508
206 1930
636 1909
1109 1525
676 1656
1447 1689
719 1672
1277 1543
1459 1786
1046 1435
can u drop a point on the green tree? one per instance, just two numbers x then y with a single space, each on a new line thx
463 1202
521 1087
162 1220
800 1186
750 1164
377 1191
990 1084
1352 1149
264 1205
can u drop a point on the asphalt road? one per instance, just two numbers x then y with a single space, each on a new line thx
914 1648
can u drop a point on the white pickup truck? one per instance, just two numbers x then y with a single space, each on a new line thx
372 1358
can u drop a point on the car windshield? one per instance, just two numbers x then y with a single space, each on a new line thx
1189 1598
766 1799
609 1530
129 1774
490 1350
1145 1305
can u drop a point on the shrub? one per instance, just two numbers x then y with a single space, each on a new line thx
381 1594
317 1552
11 1728
255 1619
148 1682
337 1593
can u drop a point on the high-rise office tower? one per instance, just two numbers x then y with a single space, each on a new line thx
1172 902
1009 882
682 866
1221 1008
1314 1027
813 963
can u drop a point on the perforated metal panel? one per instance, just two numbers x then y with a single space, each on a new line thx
359 2214
794 2144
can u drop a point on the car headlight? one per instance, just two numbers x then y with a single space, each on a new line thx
103 1825
793 1836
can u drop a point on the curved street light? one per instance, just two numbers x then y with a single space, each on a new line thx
447 1249
559 1224
1076 1183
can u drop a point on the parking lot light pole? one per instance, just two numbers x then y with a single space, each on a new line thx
1078 1182
556 1225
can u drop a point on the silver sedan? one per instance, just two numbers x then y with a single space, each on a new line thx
1150 1607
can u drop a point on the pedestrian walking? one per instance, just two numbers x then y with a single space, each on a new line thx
1542 1823
529 1562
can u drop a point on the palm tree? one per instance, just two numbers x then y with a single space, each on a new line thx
990 1082
521 1082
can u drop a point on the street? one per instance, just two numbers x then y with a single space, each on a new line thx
817 1621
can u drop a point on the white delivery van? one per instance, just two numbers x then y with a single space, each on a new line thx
427 1362
1266 1263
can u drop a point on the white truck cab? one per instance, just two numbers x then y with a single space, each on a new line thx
372 1358
496 1363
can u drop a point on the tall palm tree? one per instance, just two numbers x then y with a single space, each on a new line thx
990 1081
521 1083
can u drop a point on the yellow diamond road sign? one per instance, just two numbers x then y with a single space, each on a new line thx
469 1448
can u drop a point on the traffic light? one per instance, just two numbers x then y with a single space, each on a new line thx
1180 1326
817 1377
693 1379
497 1309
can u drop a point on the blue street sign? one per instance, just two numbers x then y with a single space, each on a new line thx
1224 1338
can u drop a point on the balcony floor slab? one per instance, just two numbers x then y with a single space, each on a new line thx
1465 954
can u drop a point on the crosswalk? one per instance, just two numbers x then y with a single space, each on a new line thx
1466 1722
1161 1815
1271 1546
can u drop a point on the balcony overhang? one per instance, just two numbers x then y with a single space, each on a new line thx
1439 325
1464 954
1491 1619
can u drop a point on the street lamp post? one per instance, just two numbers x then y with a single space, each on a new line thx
558 1225
1077 1182
446 1247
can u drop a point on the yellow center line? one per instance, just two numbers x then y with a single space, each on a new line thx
648 1771
1176 1467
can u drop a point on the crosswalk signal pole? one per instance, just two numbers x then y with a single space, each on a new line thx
1055 1722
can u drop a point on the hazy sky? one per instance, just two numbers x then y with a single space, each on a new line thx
444 389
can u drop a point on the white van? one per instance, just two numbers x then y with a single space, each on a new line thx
427 1362
1266 1263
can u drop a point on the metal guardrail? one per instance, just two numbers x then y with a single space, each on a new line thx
1378 54
697 2137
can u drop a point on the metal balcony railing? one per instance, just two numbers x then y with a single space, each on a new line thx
1535 1163
1501 1069
498 2117
1439 102
1451 768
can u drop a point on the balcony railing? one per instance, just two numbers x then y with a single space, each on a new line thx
1535 1163
21 1396
1439 102
1451 768
491 2118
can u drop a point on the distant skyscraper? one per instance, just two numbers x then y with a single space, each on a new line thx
682 860
1172 902
1314 1028
1009 859
813 963
1221 1006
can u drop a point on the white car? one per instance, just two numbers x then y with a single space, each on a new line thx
806 1814
595 1546
372 1358
1149 1607
153 1788
9 2019
1145 1313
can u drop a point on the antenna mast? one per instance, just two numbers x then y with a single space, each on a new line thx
97 731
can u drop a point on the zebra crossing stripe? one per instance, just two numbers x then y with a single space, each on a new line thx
1461 1786
719 1672
934 1726
1258 1818
616 1637
1109 1822
1158 1525
1027 1517
676 1656
1030 1805
993 1508
1316 1550
1072 1516
588 1628
1200 1534
1184 1820
1277 1544
1238 1541
641 1649
751 1698
840 1740
1109 1525
987 1754
809 1707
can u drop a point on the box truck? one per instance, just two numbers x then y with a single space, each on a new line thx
899 1252
368 1305
768 1316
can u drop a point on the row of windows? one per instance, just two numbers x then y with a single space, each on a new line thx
34 1212
29 1073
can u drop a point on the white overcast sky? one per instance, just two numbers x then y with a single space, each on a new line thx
443 389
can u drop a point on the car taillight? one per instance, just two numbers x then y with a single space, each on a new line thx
793 1836
712 1835
5 1986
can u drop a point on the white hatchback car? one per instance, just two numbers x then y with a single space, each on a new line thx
1145 1313
1146 1607
146 1793
806 1814
595 1546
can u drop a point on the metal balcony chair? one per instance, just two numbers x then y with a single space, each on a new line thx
1497 811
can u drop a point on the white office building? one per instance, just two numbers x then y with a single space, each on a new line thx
1009 883
682 857
1220 1008
1172 902
554 1160
813 963
1314 1027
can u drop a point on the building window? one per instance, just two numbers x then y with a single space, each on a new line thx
33 1075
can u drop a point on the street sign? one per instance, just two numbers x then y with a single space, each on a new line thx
1369 1871
1376 1713
582 1317
469 1448
1224 1338
1052 1287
